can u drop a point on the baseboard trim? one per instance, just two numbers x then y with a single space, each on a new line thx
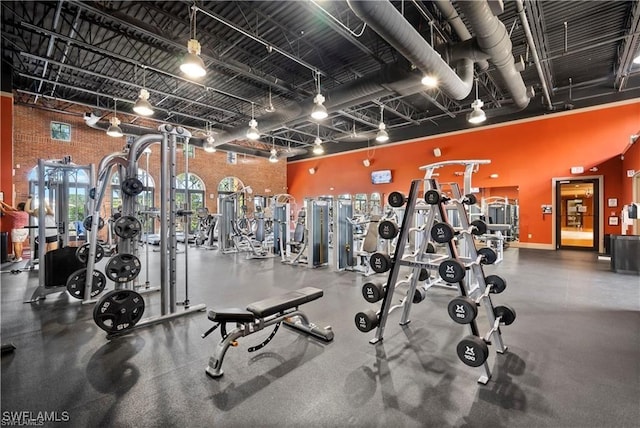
532 245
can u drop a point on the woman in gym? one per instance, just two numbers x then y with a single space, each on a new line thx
51 227
19 234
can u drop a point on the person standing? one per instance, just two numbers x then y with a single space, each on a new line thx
50 225
19 233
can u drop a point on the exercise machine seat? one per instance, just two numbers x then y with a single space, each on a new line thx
273 305
230 315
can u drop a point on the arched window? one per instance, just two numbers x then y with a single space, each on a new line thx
195 189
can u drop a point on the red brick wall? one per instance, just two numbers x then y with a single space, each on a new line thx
32 141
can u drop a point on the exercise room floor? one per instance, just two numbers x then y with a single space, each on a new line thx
573 357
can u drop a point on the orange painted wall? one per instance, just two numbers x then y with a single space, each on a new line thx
6 154
526 154
631 162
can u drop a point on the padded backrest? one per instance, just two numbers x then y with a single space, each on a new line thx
259 230
370 243
298 233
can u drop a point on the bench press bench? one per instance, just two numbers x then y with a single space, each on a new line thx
261 314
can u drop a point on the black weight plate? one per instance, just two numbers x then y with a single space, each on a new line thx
419 295
75 283
89 220
479 227
127 226
497 283
132 186
451 271
431 248
442 233
470 199
396 199
82 253
462 310
373 292
367 320
506 314
472 351
380 262
118 310
387 229
432 197
488 256
92 193
123 268
423 275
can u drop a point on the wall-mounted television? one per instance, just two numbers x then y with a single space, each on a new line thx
381 177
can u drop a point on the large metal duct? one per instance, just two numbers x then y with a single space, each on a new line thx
385 20
493 38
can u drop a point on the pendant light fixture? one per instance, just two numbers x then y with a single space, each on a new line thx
114 130
317 143
252 132
319 111
382 136
208 145
274 153
477 115
270 108
143 106
192 64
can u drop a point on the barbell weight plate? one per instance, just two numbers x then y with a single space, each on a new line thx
396 199
488 256
92 193
373 291
118 310
419 295
497 283
380 262
367 320
132 186
423 275
75 283
451 271
432 197
387 229
127 226
123 268
473 351
89 220
478 227
431 248
470 199
462 310
506 314
442 233
82 253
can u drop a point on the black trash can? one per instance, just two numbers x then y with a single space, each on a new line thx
607 244
4 247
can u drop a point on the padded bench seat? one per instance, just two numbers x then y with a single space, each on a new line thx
266 307
276 304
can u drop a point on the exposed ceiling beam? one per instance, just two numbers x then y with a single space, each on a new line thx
629 46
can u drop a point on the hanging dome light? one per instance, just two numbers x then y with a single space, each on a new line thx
317 146
208 144
429 81
319 111
252 132
274 156
143 106
192 65
114 130
477 115
383 135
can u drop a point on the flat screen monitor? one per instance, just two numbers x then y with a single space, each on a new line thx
381 177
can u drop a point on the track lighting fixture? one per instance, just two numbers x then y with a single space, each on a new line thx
252 132
319 111
192 65
477 115
382 136
114 130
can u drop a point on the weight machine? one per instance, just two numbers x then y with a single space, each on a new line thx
54 178
318 228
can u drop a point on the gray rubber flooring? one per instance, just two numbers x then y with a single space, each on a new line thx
573 357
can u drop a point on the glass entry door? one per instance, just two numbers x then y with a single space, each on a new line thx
577 214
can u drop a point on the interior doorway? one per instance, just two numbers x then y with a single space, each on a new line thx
578 214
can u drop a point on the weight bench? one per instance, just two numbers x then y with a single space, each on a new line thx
261 314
